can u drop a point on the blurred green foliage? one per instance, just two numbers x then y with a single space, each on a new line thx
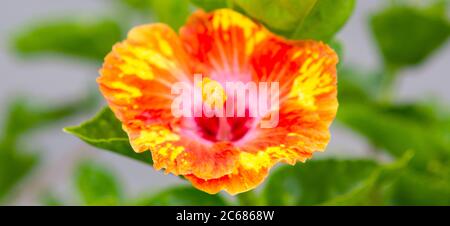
342 182
421 188
416 135
324 21
407 35
140 5
88 40
96 185
418 126
353 182
278 15
171 12
25 116
209 5
14 165
50 199
386 126
181 196
337 177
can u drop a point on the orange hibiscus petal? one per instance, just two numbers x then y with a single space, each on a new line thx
306 72
222 42
137 75
241 181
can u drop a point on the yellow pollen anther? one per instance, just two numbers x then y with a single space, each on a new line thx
212 92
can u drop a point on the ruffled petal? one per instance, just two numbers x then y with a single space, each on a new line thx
222 41
137 75
306 73
241 180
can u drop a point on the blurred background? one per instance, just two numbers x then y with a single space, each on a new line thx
42 91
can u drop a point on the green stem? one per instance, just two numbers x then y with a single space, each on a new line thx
248 198
388 85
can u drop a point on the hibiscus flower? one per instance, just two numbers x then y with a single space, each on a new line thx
218 153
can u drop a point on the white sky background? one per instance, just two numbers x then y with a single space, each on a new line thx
57 80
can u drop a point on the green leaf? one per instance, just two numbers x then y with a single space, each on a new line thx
338 47
25 115
209 5
88 40
421 127
105 131
300 19
295 19
181 196
14 166
419 188
172 12
283 16
407 36
376 189
398 128
356 85
142 5
50 199
97 185
325 20
333 182
316 182
249 198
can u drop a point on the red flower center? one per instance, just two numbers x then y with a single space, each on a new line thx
230 129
